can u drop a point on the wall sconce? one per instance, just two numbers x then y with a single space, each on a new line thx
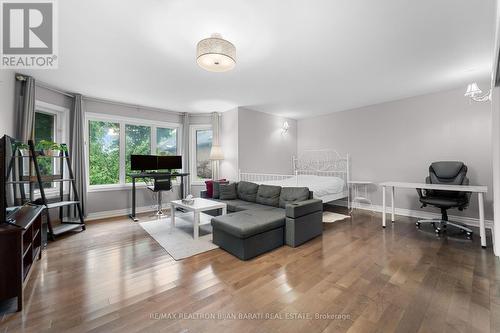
285 127
475 94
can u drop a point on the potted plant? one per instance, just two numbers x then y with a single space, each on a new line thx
63 148
23 148
49 148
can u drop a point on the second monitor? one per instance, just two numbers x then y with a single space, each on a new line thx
154 162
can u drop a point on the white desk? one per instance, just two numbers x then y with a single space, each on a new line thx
479 189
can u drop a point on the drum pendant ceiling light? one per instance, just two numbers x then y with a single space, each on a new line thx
216 54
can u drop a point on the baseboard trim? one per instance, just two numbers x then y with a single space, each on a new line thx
117 213
470 221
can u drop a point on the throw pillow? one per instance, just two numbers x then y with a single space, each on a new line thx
210 188
227 191
216 193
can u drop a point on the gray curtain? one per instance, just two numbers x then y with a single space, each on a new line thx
25 107
215 141
77 151
185 151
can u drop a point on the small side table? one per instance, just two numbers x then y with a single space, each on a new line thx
360 192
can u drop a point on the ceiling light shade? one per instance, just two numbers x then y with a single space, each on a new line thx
216 54
472 90
216 153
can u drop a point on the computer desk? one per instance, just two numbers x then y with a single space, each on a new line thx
143 175
479 189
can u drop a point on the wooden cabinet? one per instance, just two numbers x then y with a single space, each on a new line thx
20 248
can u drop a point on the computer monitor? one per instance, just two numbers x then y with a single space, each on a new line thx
143 162
169 162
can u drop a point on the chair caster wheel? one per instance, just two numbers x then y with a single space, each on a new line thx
418 225
468 235
438 231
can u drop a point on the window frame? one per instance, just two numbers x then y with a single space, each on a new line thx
61 135
122 121
192 152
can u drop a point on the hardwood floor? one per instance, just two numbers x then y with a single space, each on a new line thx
357 277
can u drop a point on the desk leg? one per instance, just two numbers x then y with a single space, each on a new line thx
224 210
172 214
196 225
132 216
383 206
392 204
482 230
182 187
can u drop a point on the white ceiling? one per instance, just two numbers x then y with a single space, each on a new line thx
296 58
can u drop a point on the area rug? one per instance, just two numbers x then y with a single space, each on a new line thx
330 217
178 241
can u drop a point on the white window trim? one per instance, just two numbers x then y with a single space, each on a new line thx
192 152
122 121
61 135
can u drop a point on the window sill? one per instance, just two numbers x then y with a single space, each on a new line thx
119 187
198 183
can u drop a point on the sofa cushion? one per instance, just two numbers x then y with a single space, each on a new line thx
227 191
248 223
247 191
293 194
268 195
234 205
217 183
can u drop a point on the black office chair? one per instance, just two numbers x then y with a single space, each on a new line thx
446 173
159 185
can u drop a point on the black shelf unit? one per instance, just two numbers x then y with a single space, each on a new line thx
29 162
60 203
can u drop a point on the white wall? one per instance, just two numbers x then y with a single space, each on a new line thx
7 86
229 142
262 147
398 140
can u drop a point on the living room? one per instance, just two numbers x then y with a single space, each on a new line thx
188 167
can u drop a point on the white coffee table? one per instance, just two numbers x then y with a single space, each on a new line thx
199 205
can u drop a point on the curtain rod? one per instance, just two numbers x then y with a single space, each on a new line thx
54 89
103 100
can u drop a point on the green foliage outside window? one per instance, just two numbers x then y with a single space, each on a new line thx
137 142
104 152
166 141
44 131
104 148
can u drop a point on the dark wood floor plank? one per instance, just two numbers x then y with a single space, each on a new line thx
357 277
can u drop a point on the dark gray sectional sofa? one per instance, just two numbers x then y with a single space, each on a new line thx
262 217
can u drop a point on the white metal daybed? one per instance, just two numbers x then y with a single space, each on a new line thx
325 172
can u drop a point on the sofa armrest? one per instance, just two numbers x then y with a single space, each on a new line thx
203 194
302 208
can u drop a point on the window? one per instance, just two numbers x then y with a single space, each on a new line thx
45 130
137 142
201 144
50 124
113 139
166 141
104 153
